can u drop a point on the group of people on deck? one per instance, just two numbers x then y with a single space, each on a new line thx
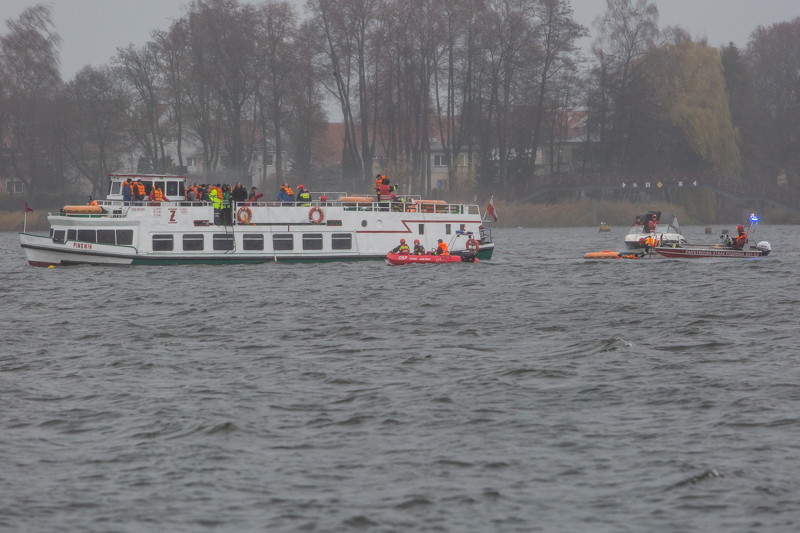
303 197
441 248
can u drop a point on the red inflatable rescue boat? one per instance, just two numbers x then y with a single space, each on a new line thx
408 259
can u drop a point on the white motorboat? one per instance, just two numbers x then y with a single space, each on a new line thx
667 230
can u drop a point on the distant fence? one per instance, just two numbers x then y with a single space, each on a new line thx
782 197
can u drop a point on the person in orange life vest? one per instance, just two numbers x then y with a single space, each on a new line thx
378 181
441 249
92 201
741 239
138 190
418 248
402 249
651 225
156 195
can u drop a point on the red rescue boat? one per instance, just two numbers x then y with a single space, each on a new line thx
407 259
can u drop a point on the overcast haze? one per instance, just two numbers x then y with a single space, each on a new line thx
92 30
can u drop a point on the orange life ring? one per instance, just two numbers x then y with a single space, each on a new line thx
472 243
316 209
244 215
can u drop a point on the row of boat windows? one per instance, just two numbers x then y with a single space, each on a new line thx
174 189
100 236
195 242
251 242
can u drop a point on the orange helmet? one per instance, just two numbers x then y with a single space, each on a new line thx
416 241
402 241
740 228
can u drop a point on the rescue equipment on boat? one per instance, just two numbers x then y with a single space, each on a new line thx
608 254
312 218
407 259
356 199
244 215
83 209
472 244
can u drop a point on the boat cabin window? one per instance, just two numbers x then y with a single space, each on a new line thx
181 189
193 242
148 186
163 243
87 235
447 229
72 235
422 229
312 241
125 237
283 241
253 241
172 189
106 236
115 186
223 241
59 235
463 227
342 241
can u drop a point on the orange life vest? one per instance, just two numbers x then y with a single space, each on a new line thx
740 241
157 194
94 202
139 187
288 190
443 249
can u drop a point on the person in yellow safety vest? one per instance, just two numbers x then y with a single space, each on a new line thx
418 248
214 197
303 197
441 249
402 249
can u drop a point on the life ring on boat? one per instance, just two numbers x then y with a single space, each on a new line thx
312 218
472 244
244 215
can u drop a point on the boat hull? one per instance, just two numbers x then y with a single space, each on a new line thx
699 253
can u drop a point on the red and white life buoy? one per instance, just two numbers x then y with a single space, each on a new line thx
312 218
472 244
244 215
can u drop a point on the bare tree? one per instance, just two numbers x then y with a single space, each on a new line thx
30 68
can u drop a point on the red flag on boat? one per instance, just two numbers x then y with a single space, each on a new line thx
491 210
28 209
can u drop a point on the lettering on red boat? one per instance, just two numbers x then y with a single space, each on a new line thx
82 245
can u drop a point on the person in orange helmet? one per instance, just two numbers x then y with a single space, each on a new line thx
418 248
402 248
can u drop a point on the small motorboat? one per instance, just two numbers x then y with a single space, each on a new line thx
466 254
726 249
667 229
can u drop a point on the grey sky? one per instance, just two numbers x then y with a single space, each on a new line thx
92 30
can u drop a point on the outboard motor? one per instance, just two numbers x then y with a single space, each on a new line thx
468 256
764 247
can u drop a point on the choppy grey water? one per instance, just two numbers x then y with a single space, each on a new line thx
536 392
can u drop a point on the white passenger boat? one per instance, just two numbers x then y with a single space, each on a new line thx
668 231
182 232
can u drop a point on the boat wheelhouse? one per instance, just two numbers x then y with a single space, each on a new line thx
338 227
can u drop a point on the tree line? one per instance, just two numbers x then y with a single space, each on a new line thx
494 82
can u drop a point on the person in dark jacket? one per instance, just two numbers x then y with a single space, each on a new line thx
253 193
239 193
418 248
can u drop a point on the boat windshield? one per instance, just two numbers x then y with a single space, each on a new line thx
665 228
635 229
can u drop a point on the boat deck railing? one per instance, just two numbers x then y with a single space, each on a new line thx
120 209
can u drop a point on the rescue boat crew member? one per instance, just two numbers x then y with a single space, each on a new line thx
651 226
214 197
378 182
441 249
638 221
741 239
418 248
403 248
92 201
303 196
